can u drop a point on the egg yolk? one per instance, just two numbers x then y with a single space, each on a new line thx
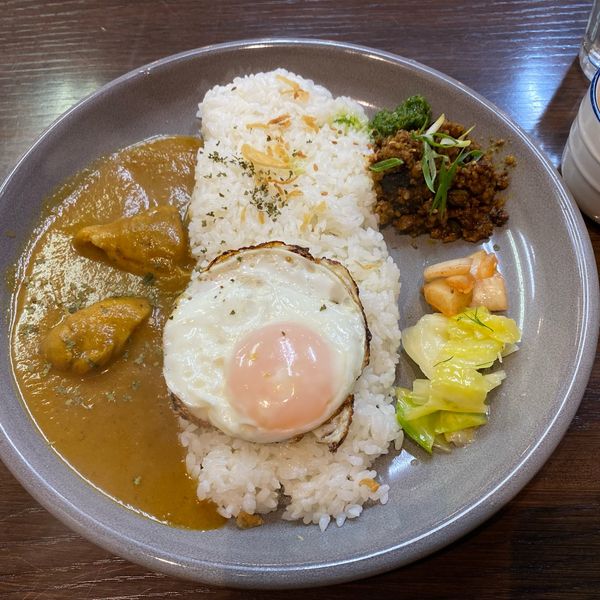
281 376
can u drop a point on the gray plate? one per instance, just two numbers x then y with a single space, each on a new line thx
545 254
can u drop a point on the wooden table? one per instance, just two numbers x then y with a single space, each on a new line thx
522 55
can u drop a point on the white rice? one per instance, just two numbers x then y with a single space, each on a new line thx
333 218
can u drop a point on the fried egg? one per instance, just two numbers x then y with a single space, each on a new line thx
266 343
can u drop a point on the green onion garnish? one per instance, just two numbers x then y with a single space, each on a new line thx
446 171
384 165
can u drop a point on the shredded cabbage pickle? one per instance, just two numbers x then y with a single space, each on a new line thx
451 351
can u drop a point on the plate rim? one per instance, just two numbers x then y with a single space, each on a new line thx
280 577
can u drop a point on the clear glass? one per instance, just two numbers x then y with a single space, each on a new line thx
589 55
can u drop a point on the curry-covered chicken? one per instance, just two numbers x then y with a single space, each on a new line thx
91 337
152 242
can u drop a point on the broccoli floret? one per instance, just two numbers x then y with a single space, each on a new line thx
413 113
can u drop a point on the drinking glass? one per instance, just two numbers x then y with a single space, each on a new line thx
581 157
589 55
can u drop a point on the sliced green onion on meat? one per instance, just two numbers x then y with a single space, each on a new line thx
428 165
384 165
436 125
472 156
445 171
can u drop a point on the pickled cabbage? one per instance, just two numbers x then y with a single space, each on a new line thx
451 352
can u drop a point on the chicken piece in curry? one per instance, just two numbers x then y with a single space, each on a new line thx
151 242
91 337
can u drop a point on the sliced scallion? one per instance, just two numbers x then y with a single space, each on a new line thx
384 165
428 166
444 170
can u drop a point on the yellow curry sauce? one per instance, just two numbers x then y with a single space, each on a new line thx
113 425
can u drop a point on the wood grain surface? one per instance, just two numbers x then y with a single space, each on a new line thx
522 55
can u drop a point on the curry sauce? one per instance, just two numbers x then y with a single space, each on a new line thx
113 424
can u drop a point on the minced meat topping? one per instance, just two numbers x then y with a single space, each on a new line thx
473 206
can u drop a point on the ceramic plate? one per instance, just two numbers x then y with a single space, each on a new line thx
544 252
